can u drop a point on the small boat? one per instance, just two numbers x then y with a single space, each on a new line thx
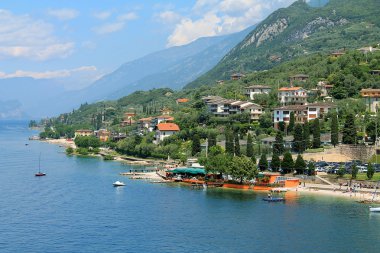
274 199
374 209
118 183
178 179
39 173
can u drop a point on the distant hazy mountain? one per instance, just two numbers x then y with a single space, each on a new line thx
173 68
24 97
299 30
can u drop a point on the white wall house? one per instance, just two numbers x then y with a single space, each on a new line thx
302 113
253 90
224 107
292 96
165 130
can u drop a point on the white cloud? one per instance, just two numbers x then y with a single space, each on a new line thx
109 28
103 15
21 36
168 17
212 17
127 16
48 74
63 14
117 25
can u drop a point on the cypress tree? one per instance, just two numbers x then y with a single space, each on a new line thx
316 134
196 145
334 129
253 158
229 145
281 126
298 143
278 145
287 164
306 136
370 171
263 163
237 144
249 146
275 163
300 165
354 171
349 130
291 123
211 140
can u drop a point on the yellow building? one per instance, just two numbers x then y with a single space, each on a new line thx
83 132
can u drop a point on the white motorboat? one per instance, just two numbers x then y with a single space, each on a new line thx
374 209
118 183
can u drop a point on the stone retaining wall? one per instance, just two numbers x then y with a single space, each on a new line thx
357 152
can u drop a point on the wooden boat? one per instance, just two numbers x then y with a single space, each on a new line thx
274 199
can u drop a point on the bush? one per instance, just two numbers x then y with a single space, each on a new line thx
82 151
108 157
69 150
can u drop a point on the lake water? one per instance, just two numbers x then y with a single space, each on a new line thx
76 209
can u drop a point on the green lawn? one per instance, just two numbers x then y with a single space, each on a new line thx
363 176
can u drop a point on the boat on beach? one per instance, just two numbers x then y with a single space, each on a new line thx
118 183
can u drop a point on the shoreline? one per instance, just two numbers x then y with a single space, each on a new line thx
315 189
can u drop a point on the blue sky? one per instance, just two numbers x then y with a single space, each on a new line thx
79 41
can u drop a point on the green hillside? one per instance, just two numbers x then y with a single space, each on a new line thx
300 30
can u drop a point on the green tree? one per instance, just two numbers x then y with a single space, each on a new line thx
306 135
316 134
334 129
242 167
229 145
298 141
370 171
287 164
278 145
263 163
311 168
195 145
349 130
249 146
354 171
300 165
218 163
253 158
211 140
237 144
275 164
341 171
291 123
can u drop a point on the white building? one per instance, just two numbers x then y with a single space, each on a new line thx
253 90
165 130
224 107
292 96
302 113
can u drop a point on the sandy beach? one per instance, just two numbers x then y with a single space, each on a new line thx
322 189
62 142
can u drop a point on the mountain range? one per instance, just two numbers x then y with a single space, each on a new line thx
300 30
172 67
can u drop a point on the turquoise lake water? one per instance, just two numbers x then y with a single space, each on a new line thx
76 209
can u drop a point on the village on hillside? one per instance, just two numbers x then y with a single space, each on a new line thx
303 133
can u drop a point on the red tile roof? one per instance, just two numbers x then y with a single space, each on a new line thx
290 88
182 100
168 127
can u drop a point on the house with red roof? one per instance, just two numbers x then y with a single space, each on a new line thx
165 130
